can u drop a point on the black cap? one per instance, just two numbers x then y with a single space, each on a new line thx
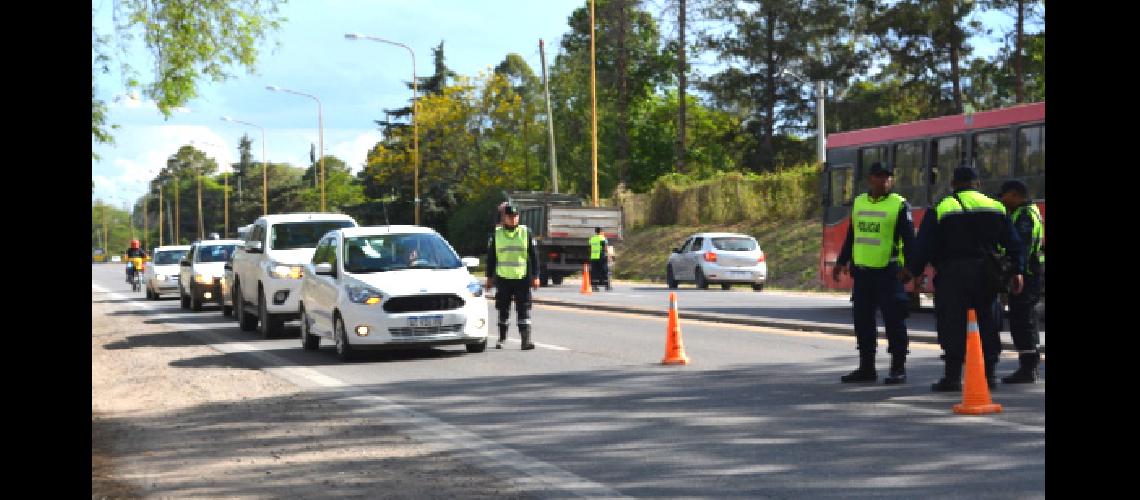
597 229
878 168
510 209
965 173
1014 185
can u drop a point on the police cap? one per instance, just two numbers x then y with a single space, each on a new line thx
965 173
878 168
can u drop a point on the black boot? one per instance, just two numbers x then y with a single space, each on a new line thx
951 381
502 336
1027 371
991 374
524 331
898 370
866 371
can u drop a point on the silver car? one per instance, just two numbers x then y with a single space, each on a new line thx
724 258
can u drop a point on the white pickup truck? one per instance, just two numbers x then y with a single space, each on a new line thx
267 269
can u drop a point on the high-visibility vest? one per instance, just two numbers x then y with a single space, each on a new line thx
510 252
1037 235
974 201
597 241
873 222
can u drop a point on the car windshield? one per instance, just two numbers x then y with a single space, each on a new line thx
166 257
293 235
215 253
737 243
380 253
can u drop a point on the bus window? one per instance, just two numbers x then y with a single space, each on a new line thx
909 180
992 158
842 185
1030 164
947 156
867 156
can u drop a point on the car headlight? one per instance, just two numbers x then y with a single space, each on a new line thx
203 279
160 277
475 288
359 294
283 271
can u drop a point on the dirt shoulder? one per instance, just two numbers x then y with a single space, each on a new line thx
171 417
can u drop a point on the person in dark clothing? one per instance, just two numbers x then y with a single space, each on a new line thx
1022 307
512 269
880 236
599 261
955 237
134 252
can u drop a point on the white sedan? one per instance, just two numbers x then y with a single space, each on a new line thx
161 276
390 287
723 258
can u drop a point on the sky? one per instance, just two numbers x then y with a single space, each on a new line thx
354 80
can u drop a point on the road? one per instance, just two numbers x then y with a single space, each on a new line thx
759 412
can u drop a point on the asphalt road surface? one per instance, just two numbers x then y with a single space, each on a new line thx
759 412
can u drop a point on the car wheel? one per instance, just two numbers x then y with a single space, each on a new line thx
757 287
269 325
480 347
556 279
185 300
545 280
726 286
247 321
195 302
343 349
702 283
309 342
670 280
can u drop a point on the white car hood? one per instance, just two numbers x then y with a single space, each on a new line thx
209 268
297 256
418 281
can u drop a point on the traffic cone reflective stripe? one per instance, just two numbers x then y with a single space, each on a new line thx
975 390
585 279
674 348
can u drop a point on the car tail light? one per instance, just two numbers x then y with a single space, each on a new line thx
710 257
552 255
761 259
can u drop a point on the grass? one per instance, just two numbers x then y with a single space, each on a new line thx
791 248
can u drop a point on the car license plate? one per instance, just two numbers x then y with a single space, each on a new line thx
417 321
740 274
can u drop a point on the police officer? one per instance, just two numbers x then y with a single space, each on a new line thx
955 237
512 268
879 237
599 260
1022 307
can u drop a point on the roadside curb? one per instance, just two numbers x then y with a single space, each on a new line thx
790 324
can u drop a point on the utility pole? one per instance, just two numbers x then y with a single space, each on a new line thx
549 119
681 92
146 235
593 108
106 236
201 223
160 212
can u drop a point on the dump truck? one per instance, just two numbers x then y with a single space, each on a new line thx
562 226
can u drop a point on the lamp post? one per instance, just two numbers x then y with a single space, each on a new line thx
172 164
264 165
415 115
821 140
320 135
225 194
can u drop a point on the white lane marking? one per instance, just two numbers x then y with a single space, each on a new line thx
506 463
538 344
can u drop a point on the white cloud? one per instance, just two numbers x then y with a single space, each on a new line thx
355 151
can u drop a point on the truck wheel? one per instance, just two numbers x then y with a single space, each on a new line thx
480 347
670 280
556 279
726 286
247 321
545 280
269 325
757 287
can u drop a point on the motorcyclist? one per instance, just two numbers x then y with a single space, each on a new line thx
135 256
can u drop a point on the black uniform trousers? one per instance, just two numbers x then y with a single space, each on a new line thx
519 290
958 286
1023 316
600 271
879 289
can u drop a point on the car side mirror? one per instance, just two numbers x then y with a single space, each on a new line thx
323 269
470 261
676 250
185 262
253 247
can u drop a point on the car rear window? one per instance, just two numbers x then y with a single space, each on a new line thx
166 257
293 235
734 244
215 253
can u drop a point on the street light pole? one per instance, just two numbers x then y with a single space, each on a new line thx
320 135
264 165
821 139
415 114
225 194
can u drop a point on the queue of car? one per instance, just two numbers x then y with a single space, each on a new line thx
357 288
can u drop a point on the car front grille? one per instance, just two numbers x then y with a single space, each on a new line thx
424 331
417 303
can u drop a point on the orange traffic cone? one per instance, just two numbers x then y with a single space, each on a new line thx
674 348
975 391
585 279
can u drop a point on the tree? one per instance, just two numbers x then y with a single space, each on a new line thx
188 41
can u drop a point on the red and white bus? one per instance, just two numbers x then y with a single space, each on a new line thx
1003 144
